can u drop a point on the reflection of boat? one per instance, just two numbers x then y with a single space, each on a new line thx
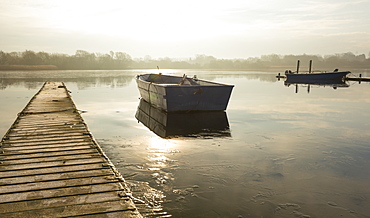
174 93
331 83
315 76
325 83
186 124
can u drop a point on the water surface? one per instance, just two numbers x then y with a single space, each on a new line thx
280 153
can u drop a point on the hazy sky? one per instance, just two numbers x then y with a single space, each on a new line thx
184 28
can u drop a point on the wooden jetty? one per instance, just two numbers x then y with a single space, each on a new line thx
359 79
51 166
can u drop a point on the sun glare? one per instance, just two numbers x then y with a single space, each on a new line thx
158 150
142 20
233 28
159 144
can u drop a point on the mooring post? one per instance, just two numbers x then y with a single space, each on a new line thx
297 66
359 82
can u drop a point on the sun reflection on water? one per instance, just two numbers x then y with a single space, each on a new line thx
158 149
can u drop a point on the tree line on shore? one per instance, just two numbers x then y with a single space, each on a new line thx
83 60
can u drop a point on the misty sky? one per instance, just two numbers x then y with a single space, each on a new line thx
184 28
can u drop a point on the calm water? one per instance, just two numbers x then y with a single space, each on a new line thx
274 153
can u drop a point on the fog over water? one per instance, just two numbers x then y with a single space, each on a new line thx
273 153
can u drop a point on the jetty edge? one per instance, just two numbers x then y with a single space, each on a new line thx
51 165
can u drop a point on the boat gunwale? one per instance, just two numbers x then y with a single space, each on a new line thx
317 73
213 84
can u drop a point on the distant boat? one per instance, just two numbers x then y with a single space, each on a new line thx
183 124
176 93
302 77
315 76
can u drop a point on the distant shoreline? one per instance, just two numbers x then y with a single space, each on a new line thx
83 60
28 67
53 67
278 69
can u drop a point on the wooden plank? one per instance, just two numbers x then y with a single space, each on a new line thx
36 131
66 152
59 176
51 166
72 140
72 146
33 146
36 165
37 119
47 135
126 209
58 192
51 169
75 199
49 158
43 185
47 140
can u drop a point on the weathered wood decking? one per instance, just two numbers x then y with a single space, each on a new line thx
50 165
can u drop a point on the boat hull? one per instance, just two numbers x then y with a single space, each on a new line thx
336 76
206 96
